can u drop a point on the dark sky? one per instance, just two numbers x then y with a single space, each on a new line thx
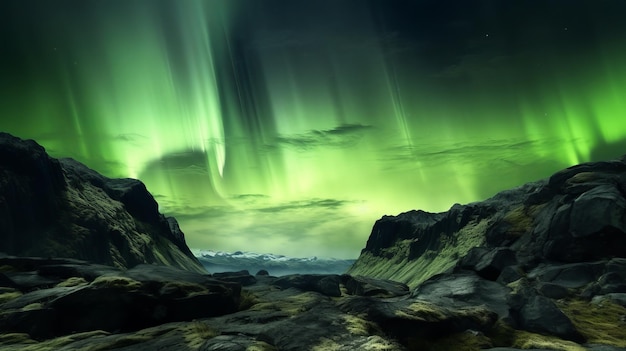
290 126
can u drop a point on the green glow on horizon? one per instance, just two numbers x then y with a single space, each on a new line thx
276 146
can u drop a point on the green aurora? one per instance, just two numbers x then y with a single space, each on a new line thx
291 126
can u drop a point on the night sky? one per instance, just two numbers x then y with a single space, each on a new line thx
290 126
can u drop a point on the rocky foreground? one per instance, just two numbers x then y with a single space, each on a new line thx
540 267
63 304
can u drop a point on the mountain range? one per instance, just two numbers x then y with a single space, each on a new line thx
277 265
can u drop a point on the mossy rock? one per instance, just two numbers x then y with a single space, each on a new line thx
116 282
72 282
9 295
601 323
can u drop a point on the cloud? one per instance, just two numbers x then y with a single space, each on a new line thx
295 228
323 204
483 153
190 162
343 136
132 138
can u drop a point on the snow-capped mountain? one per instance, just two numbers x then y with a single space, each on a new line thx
276 265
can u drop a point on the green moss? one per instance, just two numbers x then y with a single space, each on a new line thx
526 340
73 281
359 325
9 295
23 343
116 282
183 289
502 335
601 323
394 263
196 333
292 305
519 221
260 346
33 306
15 338
582 177
247 299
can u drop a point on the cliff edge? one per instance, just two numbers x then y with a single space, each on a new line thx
577 215
61 208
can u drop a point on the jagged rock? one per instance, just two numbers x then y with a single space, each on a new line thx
364 286
488 263
464 289
573 275
510 274
242 277
577 215
541 315
144 296
61 208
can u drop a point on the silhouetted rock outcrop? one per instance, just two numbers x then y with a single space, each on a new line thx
60 297
61 208
536 255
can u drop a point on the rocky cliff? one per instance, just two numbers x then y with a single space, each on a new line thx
577 215
540 267
61 208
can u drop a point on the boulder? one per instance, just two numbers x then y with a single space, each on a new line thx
117 301
242 277
541 315
464 289
488 263
364 286
573 275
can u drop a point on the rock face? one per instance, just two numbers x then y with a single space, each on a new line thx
47 298
577 215
61 208
540 255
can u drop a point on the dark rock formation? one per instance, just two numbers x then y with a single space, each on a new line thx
61 208
577 215
534 254
539 267
81 297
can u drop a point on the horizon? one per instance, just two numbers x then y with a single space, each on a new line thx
290 127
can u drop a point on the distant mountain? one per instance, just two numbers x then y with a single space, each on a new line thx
276 265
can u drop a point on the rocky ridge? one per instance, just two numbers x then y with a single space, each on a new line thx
539 267
61 208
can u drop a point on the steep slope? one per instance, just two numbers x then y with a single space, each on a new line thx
577 215
61 208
